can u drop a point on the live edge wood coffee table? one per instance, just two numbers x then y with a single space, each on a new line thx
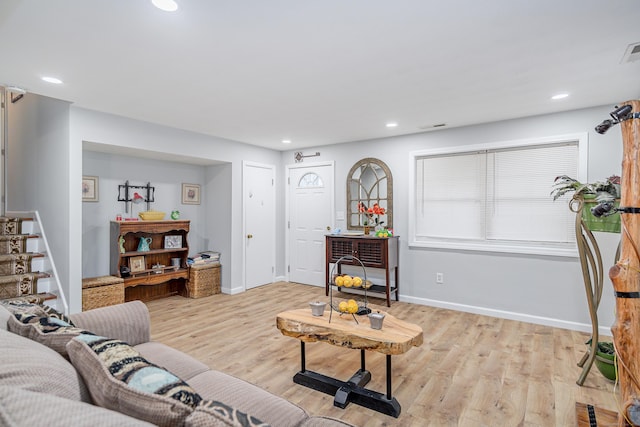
395 337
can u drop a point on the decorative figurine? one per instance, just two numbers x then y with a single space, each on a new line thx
175 215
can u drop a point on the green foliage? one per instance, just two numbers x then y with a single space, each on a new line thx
603 347
605 191
606 347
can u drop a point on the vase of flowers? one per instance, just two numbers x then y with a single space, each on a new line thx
371 216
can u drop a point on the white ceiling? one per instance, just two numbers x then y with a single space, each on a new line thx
322 71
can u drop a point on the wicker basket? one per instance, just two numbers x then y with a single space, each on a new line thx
204 280
101 292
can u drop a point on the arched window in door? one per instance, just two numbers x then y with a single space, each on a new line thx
310 180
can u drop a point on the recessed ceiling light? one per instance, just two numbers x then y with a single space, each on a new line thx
559 96
391 125
166 5
286 141
53 80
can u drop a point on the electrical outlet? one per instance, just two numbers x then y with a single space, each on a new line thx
440 278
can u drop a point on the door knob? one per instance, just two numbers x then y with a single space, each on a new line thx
328 228
249 236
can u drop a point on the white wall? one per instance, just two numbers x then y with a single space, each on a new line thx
38 172
114 131
532 288
218 202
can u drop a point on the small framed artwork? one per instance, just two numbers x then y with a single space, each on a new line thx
171 242
89 188
190 194
136 263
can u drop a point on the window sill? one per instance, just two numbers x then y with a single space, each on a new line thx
500 247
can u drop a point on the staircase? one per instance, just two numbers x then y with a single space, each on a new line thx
26 269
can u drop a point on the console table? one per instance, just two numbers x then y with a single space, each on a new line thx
374 252
395 337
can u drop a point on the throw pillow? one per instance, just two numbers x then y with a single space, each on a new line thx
210 413
24 305
119 378
50 331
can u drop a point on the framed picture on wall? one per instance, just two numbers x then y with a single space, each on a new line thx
171 242
89 188
136 263
190 194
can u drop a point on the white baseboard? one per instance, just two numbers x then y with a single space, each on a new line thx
281 279
232 291
521 317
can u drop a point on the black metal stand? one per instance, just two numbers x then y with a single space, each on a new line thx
149 198
351 391
362 310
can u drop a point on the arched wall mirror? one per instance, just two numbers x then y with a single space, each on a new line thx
369 182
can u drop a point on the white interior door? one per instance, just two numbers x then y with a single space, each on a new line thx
259 223
310 209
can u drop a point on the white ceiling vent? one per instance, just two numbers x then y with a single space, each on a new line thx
632 53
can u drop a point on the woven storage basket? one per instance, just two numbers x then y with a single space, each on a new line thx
102 291
204 280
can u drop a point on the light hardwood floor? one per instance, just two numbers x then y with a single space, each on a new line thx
471 370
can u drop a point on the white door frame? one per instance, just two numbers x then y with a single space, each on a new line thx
332 191
246 163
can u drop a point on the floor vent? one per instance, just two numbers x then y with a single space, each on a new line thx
632 53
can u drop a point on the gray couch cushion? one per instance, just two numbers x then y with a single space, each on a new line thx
27 408
31 366
248 398
128 322
179 363
4 317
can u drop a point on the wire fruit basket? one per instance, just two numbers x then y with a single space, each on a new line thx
351 306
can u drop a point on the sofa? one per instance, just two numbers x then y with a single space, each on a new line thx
54 377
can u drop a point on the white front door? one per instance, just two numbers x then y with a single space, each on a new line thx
259 208
310 213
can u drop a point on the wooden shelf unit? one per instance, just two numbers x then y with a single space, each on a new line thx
149 284
374 252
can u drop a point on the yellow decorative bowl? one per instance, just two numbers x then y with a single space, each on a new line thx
151 215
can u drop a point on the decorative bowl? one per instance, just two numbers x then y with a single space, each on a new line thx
317 308
151 215
376 320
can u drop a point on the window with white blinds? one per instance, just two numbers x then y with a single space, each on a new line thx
496 197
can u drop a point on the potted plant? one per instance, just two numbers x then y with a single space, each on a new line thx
600 195
605 360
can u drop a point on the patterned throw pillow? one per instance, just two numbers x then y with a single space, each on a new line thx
211 413
25 305
50 331
119 378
